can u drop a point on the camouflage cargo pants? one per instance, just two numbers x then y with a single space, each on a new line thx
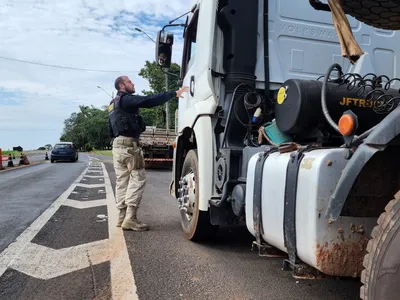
129 171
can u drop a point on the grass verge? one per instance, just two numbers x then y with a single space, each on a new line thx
102 152
17 153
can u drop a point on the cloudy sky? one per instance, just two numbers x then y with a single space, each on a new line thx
91 35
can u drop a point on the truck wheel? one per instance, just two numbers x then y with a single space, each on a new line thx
384 14
195 223
382 261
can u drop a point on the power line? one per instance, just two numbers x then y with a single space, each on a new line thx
64 67
20 129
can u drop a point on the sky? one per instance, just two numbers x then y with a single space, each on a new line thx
96 36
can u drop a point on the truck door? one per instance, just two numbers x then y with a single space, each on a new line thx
196 64
189 61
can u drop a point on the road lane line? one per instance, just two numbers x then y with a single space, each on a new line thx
123 284
17 247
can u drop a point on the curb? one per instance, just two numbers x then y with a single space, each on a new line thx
7 169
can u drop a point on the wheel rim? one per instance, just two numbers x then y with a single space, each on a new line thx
187 196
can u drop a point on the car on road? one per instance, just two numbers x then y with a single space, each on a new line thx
64 151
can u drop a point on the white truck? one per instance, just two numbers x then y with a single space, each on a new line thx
282 134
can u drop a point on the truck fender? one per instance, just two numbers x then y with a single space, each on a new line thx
378 139
172 189
202 129
205 147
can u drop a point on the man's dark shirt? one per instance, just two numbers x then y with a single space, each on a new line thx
131 103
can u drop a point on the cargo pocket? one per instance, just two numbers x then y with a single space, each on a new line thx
137 158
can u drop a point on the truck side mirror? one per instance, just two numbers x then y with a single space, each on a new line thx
164 44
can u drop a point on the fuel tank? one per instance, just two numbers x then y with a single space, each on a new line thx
334 248
298 108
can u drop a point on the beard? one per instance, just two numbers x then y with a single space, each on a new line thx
130 91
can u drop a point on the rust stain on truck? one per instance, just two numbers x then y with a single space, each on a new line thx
343 257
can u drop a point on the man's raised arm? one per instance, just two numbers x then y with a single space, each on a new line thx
134 102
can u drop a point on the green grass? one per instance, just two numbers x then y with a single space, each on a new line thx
6 152
103 152
16 153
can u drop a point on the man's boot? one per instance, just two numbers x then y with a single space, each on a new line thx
121 216
131 222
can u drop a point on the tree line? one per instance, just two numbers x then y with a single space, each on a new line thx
88 128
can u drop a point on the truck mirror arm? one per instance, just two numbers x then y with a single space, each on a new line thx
166 72
191 11
173 25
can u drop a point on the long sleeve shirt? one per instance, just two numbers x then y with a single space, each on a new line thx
131 103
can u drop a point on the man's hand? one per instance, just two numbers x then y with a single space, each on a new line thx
181 91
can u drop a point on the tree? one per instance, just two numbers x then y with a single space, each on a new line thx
152 72
87 129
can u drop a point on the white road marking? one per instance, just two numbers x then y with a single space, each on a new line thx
97 185
122 280
85 179
85 204
15 249
46 263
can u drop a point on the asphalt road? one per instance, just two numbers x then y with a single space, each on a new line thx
71 252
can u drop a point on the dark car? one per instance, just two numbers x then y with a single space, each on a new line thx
64 151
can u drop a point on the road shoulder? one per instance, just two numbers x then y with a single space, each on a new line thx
17 167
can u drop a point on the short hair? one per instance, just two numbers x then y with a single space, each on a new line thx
119 80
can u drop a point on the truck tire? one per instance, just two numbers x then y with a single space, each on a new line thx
198 228
382 261
383 14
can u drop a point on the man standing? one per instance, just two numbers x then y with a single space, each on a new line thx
125 127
